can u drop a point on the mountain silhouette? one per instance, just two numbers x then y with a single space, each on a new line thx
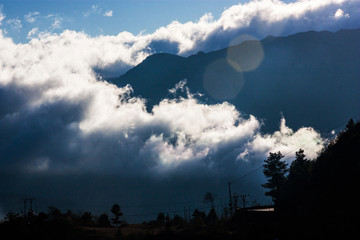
312 78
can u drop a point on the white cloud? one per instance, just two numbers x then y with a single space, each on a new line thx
2 15
31 17
56 24
92 120
340 14
94 10
14 23
50 16
108 13
32 32
57 70
285 140
256 18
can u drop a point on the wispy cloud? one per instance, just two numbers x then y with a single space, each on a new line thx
31 17
14 23
108 13
95 9
56 24
2 15
32 33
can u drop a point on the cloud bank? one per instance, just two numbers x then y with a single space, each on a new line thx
257 19
51 93
59 119
260 19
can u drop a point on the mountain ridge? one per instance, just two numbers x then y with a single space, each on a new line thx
309 77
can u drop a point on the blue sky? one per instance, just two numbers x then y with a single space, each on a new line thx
107 17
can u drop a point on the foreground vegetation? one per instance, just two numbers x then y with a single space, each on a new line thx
313 200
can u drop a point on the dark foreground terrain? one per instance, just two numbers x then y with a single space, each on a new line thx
244 225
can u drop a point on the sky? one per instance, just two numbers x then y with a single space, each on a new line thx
73 140
104 17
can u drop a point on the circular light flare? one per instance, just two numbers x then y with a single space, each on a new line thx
221 81
246 56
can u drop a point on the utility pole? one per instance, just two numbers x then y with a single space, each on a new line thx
243 199
25 200
189 213
24 213
185 214
221 209
230 200
31 206
235 199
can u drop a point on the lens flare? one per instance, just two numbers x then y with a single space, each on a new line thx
246 56
221 81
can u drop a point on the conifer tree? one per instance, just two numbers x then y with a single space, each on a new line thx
116 210
275 171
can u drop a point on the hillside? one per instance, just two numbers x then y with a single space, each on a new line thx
313 78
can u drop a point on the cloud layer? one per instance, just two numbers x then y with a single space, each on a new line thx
58 118
51 93
260 19
256 18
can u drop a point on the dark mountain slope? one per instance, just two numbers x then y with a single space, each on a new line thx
313 78
149 78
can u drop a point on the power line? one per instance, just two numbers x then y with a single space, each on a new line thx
231 204
176 211
344 122
329 131
230 182
245 175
